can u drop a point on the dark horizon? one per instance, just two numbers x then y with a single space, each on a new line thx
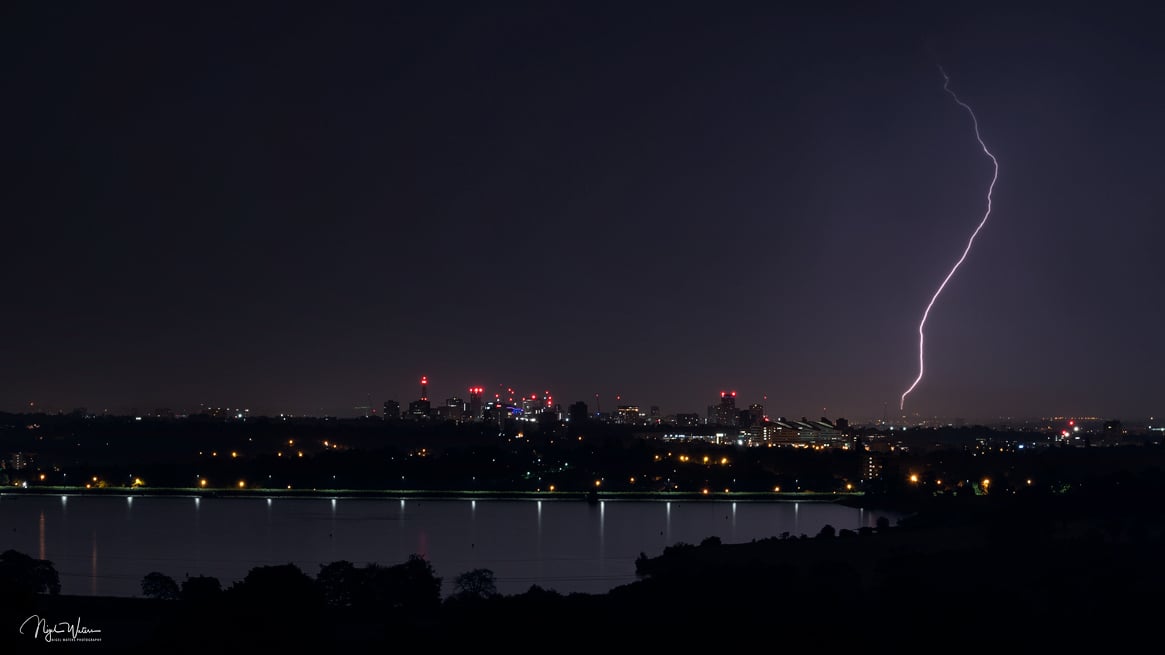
300 210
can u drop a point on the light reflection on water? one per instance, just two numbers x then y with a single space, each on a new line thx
105 545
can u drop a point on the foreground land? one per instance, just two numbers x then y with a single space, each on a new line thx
1007 539
1048 570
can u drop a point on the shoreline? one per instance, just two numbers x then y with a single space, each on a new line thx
403 494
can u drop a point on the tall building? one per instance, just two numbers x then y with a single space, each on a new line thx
455 408
726 410
475 406
754 415
391 410
420 410
579 412
628 414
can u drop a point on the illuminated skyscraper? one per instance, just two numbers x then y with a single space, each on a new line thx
421 410
475 407
454 409
726 410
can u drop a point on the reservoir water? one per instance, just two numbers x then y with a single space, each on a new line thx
104 545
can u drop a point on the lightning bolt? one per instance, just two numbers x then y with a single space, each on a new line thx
970 242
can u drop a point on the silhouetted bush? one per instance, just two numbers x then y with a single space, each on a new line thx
412 587
475 584
201 589
677 548
160 586
24 574
338 581
283 588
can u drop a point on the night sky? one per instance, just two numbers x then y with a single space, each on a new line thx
298 210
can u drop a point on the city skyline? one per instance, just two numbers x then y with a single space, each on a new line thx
302 213
597 404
